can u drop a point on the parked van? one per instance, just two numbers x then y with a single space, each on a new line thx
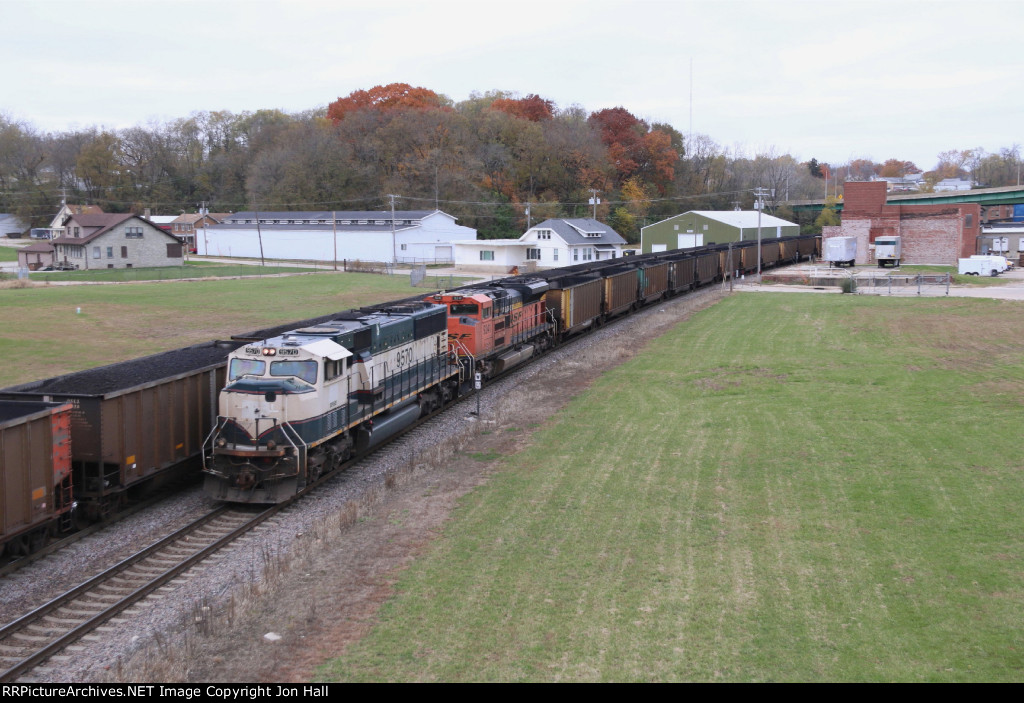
977 266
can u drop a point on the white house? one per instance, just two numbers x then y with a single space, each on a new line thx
413 236
551 244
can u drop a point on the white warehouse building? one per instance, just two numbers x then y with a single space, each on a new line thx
415 236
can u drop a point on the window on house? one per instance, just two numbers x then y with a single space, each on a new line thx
76 232
486 255
403 247
133 232
95 252
554 254
124 252
969 220
575 254
110 252
533 254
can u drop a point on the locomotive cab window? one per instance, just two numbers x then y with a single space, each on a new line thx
333 368
245 367
487 313
306 370
463 309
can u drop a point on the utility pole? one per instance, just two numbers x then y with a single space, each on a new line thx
394 246
334 236
259 234
594 200
759 193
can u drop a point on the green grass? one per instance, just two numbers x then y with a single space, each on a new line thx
42 334
204 269
8 253
785 488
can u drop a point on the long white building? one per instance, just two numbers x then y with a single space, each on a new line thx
414 236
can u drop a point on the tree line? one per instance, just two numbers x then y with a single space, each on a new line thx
497 161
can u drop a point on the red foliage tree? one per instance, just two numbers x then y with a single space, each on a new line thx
634 148
532 107
394 96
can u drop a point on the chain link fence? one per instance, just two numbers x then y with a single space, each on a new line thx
896 284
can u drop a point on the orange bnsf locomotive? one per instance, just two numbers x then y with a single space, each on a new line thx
499 326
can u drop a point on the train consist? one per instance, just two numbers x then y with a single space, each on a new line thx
271 410
298 405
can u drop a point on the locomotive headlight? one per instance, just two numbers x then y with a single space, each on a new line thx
269 351
221 442
271 445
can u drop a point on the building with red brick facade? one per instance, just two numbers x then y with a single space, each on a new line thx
929 234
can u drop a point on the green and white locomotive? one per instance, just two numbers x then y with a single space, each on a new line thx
298 405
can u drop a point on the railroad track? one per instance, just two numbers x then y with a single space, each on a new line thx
28 642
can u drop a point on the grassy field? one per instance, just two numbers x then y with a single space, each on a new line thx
785 488
204 269
42 332
8 253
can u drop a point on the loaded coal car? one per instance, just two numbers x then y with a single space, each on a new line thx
496 326
35 472
682 272
134 422
298 405
575 302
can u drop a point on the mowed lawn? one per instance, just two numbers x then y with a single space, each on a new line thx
46 331
784 488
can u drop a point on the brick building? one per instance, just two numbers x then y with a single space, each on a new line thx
930 234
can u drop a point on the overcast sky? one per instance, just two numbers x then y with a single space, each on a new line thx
831 80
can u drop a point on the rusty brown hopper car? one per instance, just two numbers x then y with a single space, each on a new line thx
789 250
134 420
770 252
652 279
575 302
620 290
35 473
682 274
809 246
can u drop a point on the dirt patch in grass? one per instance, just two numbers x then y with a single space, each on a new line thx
336 586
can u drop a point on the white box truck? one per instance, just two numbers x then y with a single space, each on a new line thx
888 251
841 250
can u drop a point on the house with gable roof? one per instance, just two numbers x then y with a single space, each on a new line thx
103 241
551 244
57 224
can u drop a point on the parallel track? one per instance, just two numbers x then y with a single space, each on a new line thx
29 641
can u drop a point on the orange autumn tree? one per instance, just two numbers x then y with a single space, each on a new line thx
532 107
634 148
393 96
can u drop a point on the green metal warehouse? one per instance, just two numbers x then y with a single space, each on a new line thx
699 227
